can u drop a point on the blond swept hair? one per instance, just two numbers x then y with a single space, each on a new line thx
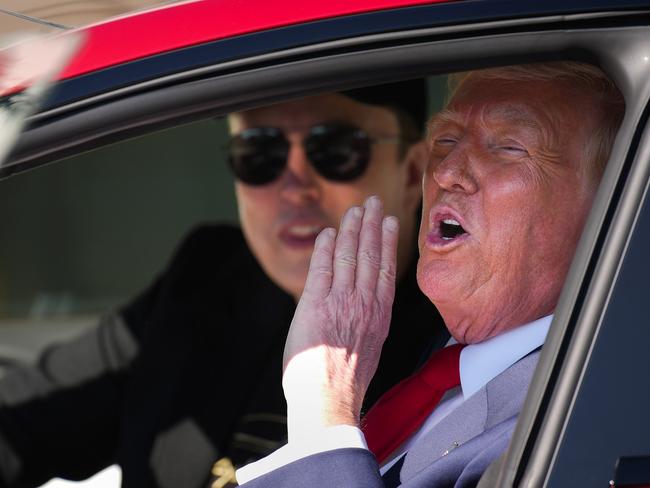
586 76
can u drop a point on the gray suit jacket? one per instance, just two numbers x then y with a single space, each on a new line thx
480 428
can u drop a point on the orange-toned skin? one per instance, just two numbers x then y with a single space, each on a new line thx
507 157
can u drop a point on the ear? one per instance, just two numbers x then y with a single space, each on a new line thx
415 163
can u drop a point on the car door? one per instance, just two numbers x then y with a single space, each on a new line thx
554 430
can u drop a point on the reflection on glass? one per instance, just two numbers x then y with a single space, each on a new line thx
27 67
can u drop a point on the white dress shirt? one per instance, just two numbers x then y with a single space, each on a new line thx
479 364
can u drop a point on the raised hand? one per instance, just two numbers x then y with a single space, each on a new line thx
341 321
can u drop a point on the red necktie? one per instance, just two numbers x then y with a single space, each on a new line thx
402 409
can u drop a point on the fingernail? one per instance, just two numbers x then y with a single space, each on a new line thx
357 211
327 232
373 201
391 223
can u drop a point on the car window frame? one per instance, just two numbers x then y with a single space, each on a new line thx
223 88
215 90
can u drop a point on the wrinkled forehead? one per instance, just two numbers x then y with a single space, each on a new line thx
497 112
537 105
302 114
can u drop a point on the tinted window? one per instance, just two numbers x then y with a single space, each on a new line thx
84 234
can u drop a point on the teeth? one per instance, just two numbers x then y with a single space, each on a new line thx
450 222
449 229
304 230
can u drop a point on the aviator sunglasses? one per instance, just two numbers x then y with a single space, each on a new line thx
338 152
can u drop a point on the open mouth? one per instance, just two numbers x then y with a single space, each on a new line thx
300 235
450 229
304 231
446 229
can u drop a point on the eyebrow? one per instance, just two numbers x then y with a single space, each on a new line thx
516 114
511 113
444 117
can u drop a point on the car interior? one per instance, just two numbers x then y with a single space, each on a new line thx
134 173
111 218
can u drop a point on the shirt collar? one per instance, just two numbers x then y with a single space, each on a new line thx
482 362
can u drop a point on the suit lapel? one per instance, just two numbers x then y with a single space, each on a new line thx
496 402
461 425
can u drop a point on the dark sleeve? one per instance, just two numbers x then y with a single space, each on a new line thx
61 416
350 467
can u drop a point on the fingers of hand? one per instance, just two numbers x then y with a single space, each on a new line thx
388 266
345 253
319 277
365 252
370 246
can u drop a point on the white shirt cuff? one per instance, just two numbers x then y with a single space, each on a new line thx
326 439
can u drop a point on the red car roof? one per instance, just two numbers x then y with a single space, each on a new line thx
181 25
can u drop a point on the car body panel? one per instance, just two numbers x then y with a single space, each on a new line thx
261 28
182 25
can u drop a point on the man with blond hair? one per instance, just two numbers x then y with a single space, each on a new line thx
514 163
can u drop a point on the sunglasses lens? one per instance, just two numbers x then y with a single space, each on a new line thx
258 156
338 152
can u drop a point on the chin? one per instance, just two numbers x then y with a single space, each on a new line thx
293 285
435 279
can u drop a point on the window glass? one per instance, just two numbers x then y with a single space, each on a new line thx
84 234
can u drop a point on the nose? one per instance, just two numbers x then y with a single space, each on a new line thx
299 180
453 173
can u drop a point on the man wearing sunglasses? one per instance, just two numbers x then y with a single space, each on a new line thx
188 375
299 165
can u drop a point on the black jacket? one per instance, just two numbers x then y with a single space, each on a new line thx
185 374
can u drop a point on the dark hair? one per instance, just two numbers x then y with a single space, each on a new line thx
407 99
409 131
